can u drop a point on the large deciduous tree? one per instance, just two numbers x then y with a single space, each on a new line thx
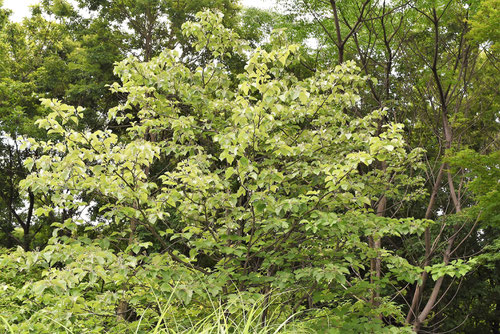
435 62
264 184
43 58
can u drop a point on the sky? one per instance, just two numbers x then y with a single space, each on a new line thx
20 8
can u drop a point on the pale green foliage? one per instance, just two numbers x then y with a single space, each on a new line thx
267 180
484 23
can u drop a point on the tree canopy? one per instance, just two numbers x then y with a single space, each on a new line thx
170 167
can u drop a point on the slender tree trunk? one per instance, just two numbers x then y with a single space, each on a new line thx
376 244
417 295
339 42
123 310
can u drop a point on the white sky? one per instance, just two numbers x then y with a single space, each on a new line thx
20 8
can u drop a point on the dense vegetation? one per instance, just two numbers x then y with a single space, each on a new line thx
199 167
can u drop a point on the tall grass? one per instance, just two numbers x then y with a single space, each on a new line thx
236 317
7 325
224 320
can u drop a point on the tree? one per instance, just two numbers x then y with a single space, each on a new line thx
245 171
435 77
32 66
266 186
44 58
150 25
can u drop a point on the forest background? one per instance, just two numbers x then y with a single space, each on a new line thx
172 166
